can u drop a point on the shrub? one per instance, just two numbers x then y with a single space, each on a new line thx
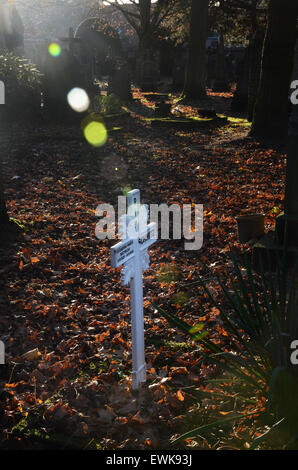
259 315
23 85
109 104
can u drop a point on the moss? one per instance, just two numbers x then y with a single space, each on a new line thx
181 122
115 130
20 427
236 122
178 346
173 345
18 223
30 434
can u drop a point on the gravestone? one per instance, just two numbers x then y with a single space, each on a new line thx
295 64
35 51
11 27
221 82
179 69
240 99
255 62
61 75
72 44
132 254
285 237
290 216
148 72
162 109
119 80
98 40
211 65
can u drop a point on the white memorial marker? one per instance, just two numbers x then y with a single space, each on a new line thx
132 253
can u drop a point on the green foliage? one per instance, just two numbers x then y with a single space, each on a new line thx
168 273
109 104
194 332
23 84
230 17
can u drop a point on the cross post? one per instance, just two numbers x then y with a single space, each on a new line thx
132 253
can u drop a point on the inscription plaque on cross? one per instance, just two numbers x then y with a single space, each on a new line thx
131 253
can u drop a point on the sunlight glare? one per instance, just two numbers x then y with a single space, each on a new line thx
78 99
95 133
54 49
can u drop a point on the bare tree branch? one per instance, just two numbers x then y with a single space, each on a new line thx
129 16
162 17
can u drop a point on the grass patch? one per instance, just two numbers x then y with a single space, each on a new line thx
174 345
26 430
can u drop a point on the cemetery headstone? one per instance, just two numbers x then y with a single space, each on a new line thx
179 69
295 64
71 42
240 99
11 27
119 80
97 41
221 82
132 254
61 75
290 216
162 108
211 66
148 71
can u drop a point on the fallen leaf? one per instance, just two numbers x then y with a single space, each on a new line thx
31 355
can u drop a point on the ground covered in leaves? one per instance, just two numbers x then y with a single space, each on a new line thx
65 318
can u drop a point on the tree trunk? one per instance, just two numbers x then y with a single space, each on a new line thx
4 219
240 99
147 63
195 80
145 36
145 10
255 60
5 126
270 115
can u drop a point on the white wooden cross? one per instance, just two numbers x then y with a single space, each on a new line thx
132 253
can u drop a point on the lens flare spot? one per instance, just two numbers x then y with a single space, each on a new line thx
78 99
95 133
54 49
